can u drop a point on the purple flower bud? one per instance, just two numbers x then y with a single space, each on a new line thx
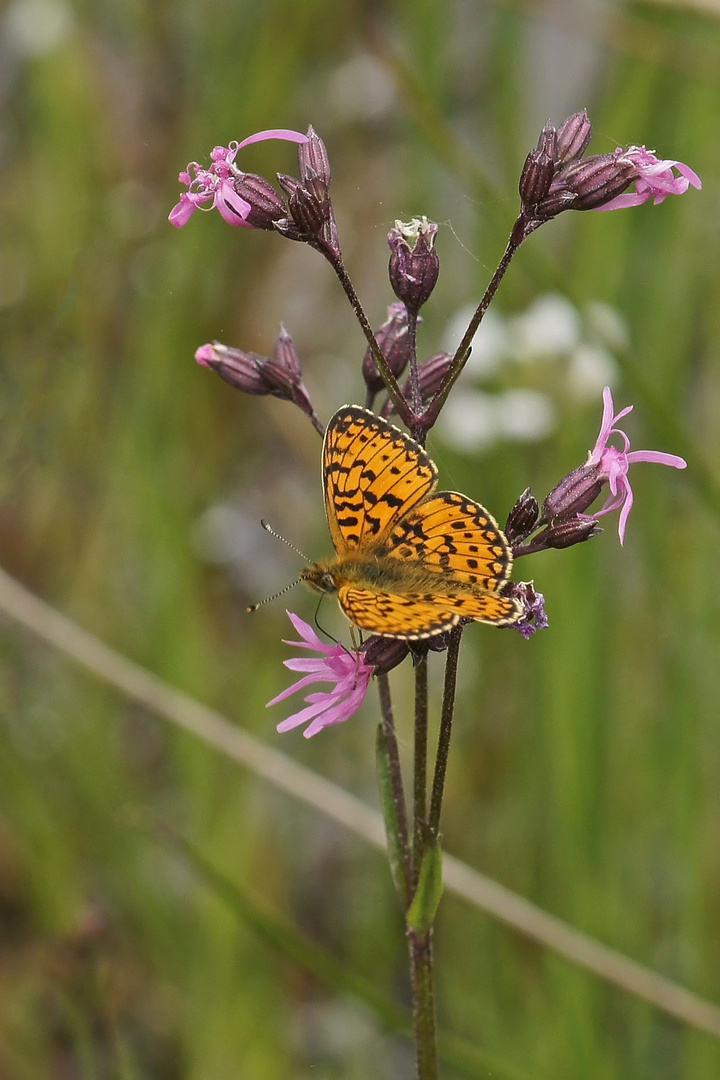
313 159
243 370
286 355
392 337
586 184
414 263
266 206
307 211
548 142
385 653
311 218
536 177
574 494
567 532
280 377
573 137
523 517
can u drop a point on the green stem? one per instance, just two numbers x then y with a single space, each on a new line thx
399 824
446 719
423 1002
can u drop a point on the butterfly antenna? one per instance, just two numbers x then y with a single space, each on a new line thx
254 607
269 529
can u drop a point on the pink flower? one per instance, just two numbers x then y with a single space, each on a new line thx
613 464
655 178
217 184
348 671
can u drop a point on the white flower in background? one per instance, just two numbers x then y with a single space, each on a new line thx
563 353
550 326
590 367
490 346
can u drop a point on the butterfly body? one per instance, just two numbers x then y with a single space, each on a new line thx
409 563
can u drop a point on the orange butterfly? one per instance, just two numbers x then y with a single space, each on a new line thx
409 563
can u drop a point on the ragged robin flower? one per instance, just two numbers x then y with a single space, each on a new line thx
557 176
654 179
348 672
241 198
606 464
279 375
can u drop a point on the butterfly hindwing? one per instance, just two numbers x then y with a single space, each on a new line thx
450 533
373 475
414 616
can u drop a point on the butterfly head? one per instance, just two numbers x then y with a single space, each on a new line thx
318 577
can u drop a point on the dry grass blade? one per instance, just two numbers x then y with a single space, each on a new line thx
135 682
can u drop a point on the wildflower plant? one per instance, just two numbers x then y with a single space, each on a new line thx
558 175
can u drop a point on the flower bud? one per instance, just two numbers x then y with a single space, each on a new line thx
280 376
286 355
539 167
385 653
568 532
308 209
243 370
414 263
586 184
573 137
392 337
313 159
536 177
574 494
311 217
267 206
523 517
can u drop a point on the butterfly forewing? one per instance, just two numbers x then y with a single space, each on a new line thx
449 532
373 476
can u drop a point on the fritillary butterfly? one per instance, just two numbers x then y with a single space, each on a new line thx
411 562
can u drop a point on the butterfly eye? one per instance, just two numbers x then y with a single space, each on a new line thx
327 583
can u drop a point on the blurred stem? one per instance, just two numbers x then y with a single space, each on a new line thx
446 719
420 767
396 826
423 1000
393 387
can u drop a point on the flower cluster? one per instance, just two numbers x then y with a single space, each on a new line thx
557 176
563 519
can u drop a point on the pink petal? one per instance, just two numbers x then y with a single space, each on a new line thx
182 211
658 457
274 133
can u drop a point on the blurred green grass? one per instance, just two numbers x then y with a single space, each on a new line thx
585 768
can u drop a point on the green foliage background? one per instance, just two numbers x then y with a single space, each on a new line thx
585 767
